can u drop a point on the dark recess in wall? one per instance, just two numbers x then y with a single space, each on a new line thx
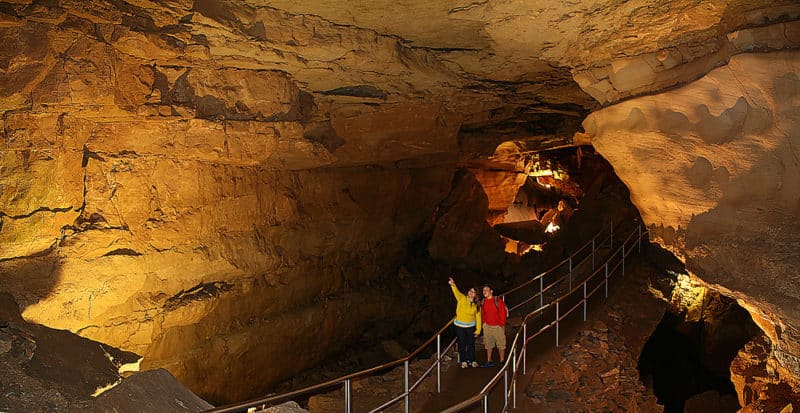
686 358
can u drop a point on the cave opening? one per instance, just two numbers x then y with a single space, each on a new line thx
552 189
686 361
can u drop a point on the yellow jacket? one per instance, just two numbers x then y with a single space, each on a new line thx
467 313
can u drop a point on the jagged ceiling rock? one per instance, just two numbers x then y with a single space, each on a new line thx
529 45
714 169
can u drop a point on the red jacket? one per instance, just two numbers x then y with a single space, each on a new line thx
494 312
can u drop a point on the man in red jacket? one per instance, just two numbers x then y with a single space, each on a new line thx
493 315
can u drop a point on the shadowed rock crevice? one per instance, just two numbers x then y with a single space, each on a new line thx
691 351
362 91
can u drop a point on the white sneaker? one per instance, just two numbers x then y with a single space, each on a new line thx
474 364
463 364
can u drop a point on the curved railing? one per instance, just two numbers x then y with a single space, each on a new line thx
518 350
569 265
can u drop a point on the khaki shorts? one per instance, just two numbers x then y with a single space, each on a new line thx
494 336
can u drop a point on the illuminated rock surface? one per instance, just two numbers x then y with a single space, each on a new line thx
718 181
55 370
220 186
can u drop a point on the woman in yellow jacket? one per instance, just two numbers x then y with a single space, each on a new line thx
467 324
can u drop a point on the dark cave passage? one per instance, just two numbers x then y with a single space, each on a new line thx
687 356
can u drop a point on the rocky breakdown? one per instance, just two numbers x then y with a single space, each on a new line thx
596 368
55 370
596 373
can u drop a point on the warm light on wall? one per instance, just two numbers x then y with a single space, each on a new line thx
689 296
534 247
551 228
547 172
541 172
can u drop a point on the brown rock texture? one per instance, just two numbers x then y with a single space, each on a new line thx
596 372
45 369
234 178
152 390
196 206
595 368
758 384
713 168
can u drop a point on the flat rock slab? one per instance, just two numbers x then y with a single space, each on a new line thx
531 232
150 391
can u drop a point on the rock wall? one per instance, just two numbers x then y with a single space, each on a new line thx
714 169
220 221
195 175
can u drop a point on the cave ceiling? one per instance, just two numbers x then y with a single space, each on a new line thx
531 68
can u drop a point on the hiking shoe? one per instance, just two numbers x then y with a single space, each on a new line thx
488 364
463 364
474 364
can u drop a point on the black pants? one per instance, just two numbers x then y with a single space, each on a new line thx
466 343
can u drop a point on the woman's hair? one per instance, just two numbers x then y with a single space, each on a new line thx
477 300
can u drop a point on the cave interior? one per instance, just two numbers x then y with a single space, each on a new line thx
229 198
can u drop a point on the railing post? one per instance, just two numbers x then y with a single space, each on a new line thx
514 393
514 370
584 301
486 403
505 387
606 279
557 322
347 396
592 253
406 387
438 363
524 345
640 237
623 257
570 272
541 291
611 237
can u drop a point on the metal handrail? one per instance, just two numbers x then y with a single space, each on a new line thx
263 402
552 269
562 262
330 383
517 358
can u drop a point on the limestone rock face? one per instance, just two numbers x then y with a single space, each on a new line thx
198 207
45 369
713 168
757 383
461 236
234 178
612 49
152 390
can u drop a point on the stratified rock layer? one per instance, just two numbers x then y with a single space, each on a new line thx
202 177
201 210
714 169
